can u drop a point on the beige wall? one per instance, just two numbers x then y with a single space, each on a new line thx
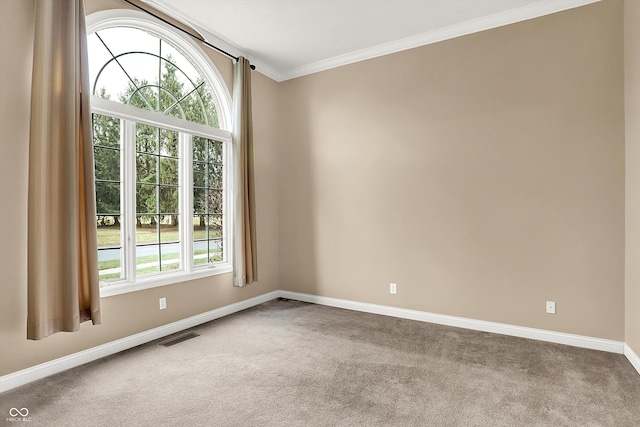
632 112
131 313
483 174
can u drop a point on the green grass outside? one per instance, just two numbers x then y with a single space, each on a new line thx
110 235
107 277
115 263
154 269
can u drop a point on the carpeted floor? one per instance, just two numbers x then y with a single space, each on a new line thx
287 363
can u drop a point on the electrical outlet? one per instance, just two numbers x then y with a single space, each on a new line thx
393 288
163 303
551 307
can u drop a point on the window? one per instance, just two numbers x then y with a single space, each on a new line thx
161 154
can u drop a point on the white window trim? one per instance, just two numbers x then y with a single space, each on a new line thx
130 114
153 118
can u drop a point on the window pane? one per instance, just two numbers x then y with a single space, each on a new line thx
168 171
199 173
210 105
108 231
215 201
112 72
146 139
215 176
200 200
99 56
146 166
106 131
215 152
193 110
199 227
125 39
169 231
200 252
107 197
120 40
199 149
109 264
170 256
147 259
174 108
137 62
169 199
215 250
214 224
142 96
146 229
107 163
146 198
168 143
109 248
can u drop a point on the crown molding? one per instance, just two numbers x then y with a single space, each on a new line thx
535 10
531 11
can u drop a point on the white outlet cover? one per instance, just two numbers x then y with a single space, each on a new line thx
551 307
163 303
393 288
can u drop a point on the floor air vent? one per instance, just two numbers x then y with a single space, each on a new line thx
179 339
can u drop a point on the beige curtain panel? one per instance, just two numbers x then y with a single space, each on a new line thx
245 262
63 288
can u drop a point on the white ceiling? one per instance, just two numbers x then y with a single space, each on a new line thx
292 38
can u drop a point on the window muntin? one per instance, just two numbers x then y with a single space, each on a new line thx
157 200
155 233
135 67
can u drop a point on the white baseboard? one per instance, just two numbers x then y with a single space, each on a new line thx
16 379
461 322
633 357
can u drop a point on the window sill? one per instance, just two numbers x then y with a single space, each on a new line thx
120 288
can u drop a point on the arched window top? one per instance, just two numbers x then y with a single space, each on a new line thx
136 61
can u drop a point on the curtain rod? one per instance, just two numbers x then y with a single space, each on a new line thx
224 52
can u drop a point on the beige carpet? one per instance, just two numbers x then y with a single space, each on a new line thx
286 363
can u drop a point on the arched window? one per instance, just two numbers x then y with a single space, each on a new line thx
161 149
